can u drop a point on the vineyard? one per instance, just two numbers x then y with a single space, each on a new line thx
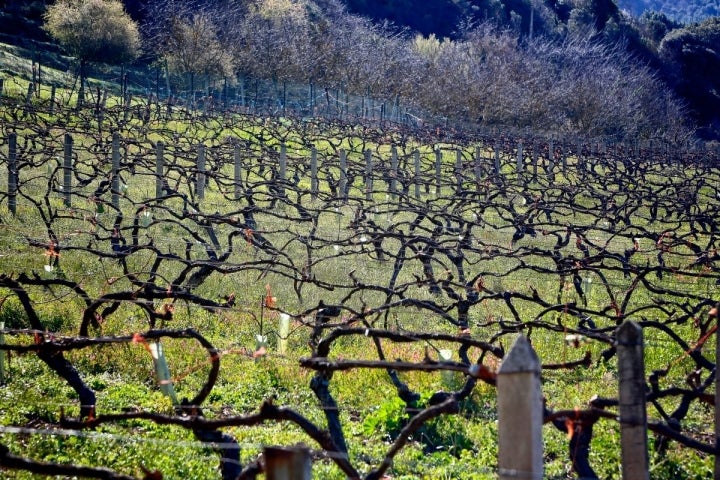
179 290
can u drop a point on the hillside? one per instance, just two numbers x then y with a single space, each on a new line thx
688 11
442 17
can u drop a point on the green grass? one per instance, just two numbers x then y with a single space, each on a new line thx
462 446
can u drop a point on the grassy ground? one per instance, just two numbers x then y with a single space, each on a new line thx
458 446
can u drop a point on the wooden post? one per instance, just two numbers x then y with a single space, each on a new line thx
458 170
52 99
535 157
103 103
2 84
12 172
633 417
67 170
314 184
520 414
497 158
438 172
126 112
237 172
287 463
162 372
283 166
200 181
519 164
115 174
368 175
417 173
477 167
393 170
578 155
159 169
342 185
29 94
551 157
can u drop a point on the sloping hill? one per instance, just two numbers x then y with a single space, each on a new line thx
687 11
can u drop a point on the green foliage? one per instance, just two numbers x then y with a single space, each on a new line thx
12 313
15 317
388 418
656 25
94 30
447 434
692 63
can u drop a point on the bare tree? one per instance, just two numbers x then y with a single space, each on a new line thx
189 40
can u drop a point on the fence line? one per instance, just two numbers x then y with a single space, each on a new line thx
413 170
304 103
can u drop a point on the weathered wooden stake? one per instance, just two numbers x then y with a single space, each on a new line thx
497 158
52 99
578 155
632 408
12 172
520 414
283 166
342 185
519 164
314 185
67 170
200 181
115 173
477 165
438 172
237 178
29 94
393 170
458 170
159 168
126 112
287 463
418 179
368 175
